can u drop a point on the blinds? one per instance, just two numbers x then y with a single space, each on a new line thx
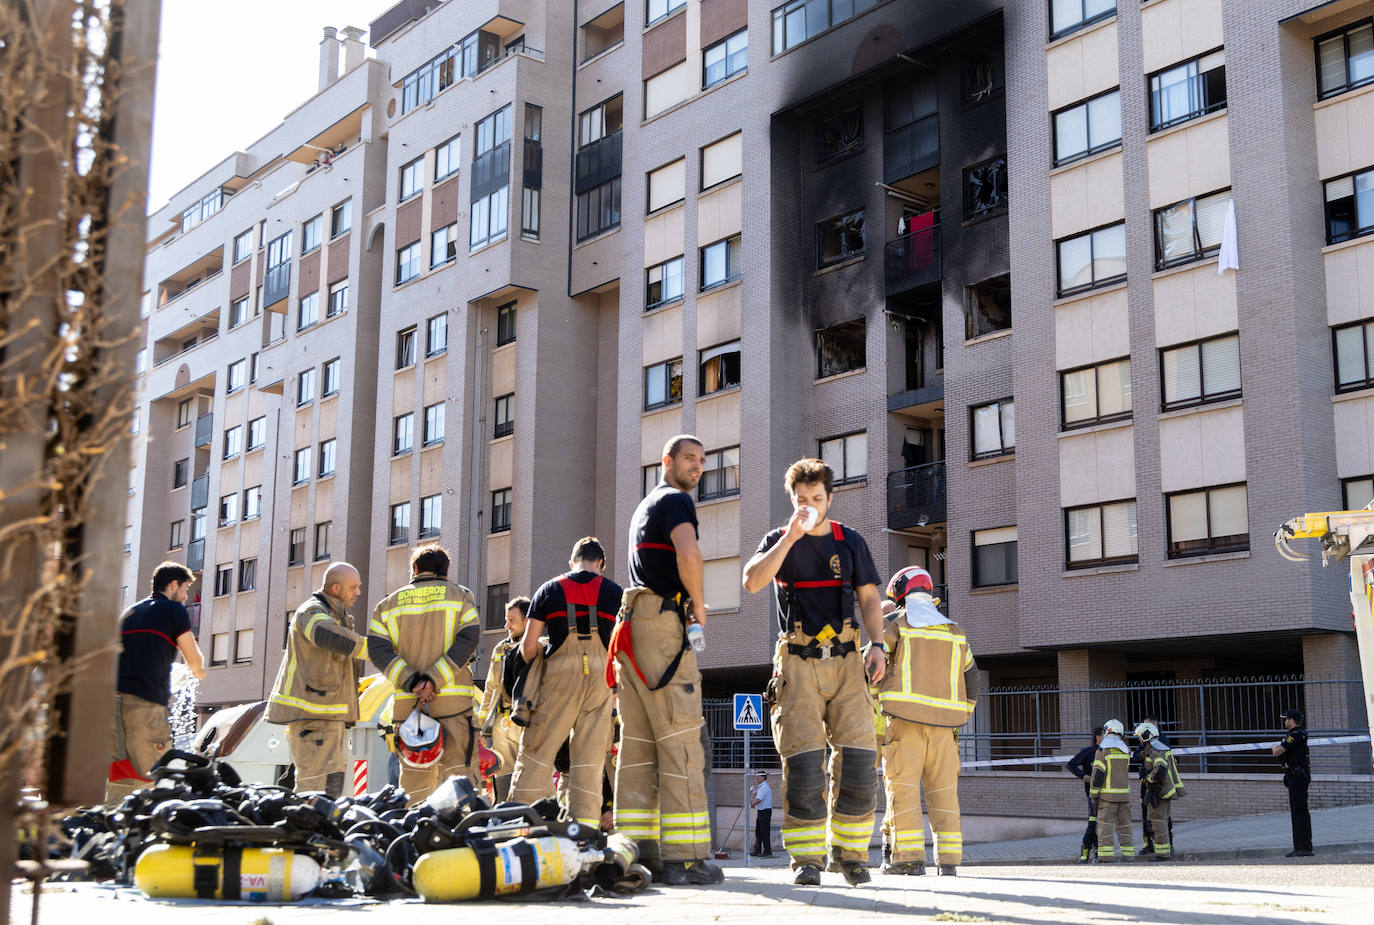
1221 365
994 536
721 161
667 184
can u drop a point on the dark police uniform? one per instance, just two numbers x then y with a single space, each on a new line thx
1297 776
1081 766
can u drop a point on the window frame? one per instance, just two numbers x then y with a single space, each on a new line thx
176 534
403 434
733 271
302 465
308 310
328 456
184 416
414 172
1359 231
449 243
181 473
668 401
454 149
836 118
407 260
1104 559
1065 424
1212 548
246 237
295 548
1094 282
1344 34
503 416
430 349
505 324
1091 150
316 554
837 223
1199 252
238 370
253 493
1204 398
649 303
1207 108
338 299
398 534
329 378
406 347
608 213
501 500
312 233
719 352
726 58
427 438
233 442
259 424
1082 23
670 7
725 491
305 387
844 478
974 582
1004 449
1366 325
228 510
427 529
248 574
833 331
238 311
1346 504
224 580
344 211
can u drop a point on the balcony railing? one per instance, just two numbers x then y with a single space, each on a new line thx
916 496
598 162
912 260
277 284
912 148
195 555
200 491
205 429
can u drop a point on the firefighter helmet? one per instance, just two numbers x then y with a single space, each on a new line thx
420 741
1146 731
1113 726
910 579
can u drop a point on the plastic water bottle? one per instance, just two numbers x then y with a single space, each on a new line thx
696 635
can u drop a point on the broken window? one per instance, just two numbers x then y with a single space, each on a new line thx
842 133
840 349
840 238
987 307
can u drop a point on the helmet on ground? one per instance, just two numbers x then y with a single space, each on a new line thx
1113 726
420 741
1146 731
910 579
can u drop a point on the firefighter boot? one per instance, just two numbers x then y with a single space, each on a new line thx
808 875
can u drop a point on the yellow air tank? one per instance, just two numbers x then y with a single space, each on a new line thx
454 874
253 874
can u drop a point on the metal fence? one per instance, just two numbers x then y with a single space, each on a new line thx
1035 722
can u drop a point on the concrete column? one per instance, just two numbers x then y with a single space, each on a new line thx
1082 705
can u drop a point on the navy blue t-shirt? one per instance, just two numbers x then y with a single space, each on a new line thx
550 604
148 633
653 558
817 558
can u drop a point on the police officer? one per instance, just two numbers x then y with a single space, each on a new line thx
578 611
1081 767
421 638
925 699
1297 776
660 784
817 567
316 692
502 737
1110 791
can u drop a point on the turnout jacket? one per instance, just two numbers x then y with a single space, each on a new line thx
495 696
427 630
1111 780
316 679
931 675
1159 769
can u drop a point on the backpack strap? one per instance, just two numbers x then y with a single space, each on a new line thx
582 600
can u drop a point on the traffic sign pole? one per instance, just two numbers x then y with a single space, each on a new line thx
746 798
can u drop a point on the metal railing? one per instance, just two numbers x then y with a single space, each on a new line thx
916 496
205 429
912 260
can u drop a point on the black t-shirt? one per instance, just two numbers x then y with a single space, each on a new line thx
817 558
1295 749
148 632
653 558
550 604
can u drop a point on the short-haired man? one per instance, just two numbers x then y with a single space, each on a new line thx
820 681
660 782
151 633
422 637
496 698
762 803
577 611
316 692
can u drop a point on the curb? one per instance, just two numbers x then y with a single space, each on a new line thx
1275 854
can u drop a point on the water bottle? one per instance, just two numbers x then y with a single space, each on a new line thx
696 635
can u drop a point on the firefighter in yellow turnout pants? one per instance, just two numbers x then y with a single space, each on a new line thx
817 567
1111 791
503 737
930 690
1163 785
422 638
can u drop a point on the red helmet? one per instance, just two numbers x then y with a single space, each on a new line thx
910 579
420 741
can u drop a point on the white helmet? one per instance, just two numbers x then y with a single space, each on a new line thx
1146 731
1114 726
420 741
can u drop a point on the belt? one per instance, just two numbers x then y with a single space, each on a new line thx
838 650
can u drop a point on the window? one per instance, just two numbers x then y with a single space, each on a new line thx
648 478
722 160
434 76
174 534
720 262
310 234
1345 59
198 524
1349 206
1086 128
228 509
840 134
436 335
253 367
412 178
185 412
500 510
663 384
489 216
243 246
840 238
180 473
434 424
604 32
277 282
1207 521
994 429
529 212
238 375
400 523
664 284
1194 374
725 58
238 312
338 299
1092 259
257 433
720 477
322 540
407 263
985 188
497 598
1357 493
1354 351
341 218
492 132
598 209
200 211
1100 534
309 312
233 441
301 471
252 502
431 516
402 434
248 574
719 368
1069 15
987 307
841 348
295 554
330 378
219 650
1188 90
328 452
505 324
1190 230
847 457
798 20
657 9
1095 394
667 185
490 185
243 647
447 158
994 557
224 580
305 387
443 245
504 416
405 348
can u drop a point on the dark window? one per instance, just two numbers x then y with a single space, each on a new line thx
505 324
257 433
1357 493
1086 128
175 540
1100 534
648 478
322 540
1349 206
341 218
295 553
598 209
847 457
841 348
185 412
1095 394
233 441
331 377
720 477
305 387
436 335
228 509
434 424
987 307
400 523
1190 230
798 20
1070 15
1345 59
500 510
1188 90
1092 259
719 368
663 384
1354 351
328 451
497 598
664 283
402 434
252 502
720 262
224 580
529 211
994 557
1197 373
443 246
505 416
301 472
405 348
994 429
181 472
840 134
1208 520
985 188
248 574
983 76
725 58
840 238
431 515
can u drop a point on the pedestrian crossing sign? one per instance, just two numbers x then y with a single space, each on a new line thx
748 712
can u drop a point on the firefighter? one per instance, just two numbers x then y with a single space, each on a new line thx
820 680
578 611
1160 773
316 692
660 782
421 638
1081 767
930 689
1111 792
494 711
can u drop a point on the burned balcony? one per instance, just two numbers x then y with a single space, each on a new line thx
916 496
912 260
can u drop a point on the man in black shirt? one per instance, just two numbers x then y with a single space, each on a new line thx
1081 767
817 567
1297 775
150 633
577 610
660 783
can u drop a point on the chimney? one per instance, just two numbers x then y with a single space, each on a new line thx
329 57
354 49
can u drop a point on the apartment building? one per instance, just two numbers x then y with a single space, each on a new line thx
881 232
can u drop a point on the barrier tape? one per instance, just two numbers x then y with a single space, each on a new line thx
1191 750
